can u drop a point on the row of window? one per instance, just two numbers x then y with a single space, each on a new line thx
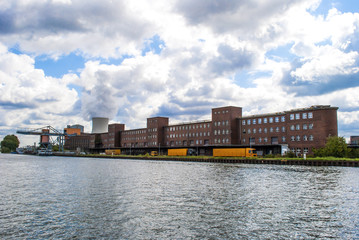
265 130
277 119
219 112
297 116
135 132
219 132
274 140
200 134
277 129
304 127
188 127
224 123
299 150
304 138
224 140
265 120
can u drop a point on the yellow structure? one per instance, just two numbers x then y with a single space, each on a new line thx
113 152
234 152
178 152
154 153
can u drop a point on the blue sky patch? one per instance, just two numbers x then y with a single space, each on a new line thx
154 44
57 68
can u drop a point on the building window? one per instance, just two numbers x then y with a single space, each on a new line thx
259 120
283 129
283 139
249 131
298 138
264 120
276 119
297 127
227 123
260 139
265 130
270 120
254 131
305 126
292 127
243 122
283 118
244 140
310 115
297 116
305 138
254 121
292 117
306 150
271 129
292 138
260 130
304 115
299 150
311 138
265 139
277 129
249 122
311 126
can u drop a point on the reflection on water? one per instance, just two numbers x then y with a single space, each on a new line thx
54 197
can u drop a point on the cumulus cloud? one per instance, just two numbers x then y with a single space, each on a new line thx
204 47
28 98
57 27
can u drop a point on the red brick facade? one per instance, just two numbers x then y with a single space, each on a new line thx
298 130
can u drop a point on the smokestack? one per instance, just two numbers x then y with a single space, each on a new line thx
99 125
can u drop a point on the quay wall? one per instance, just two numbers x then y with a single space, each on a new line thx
310 162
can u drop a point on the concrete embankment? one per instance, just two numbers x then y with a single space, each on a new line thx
308 162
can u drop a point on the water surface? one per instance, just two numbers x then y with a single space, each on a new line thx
82 198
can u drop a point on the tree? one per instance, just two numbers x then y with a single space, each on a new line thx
335 147
9 143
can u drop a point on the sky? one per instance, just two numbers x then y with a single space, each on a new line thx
63 62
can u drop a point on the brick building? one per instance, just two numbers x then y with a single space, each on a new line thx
297 130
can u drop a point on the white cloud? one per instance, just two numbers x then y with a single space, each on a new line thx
205 44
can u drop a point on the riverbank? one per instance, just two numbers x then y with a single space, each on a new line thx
275 161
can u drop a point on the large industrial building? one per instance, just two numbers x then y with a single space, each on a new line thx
297 130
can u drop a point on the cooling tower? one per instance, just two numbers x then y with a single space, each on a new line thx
99 125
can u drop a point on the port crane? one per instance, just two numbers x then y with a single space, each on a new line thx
49 137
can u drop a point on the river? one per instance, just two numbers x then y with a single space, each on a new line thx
89 198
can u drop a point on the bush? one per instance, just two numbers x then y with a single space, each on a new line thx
5 150
290 154
269 156
335 147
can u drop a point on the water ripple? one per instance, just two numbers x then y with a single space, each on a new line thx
79 198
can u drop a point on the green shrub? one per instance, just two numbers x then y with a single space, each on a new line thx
290 154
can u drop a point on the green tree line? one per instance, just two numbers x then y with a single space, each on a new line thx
336 147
